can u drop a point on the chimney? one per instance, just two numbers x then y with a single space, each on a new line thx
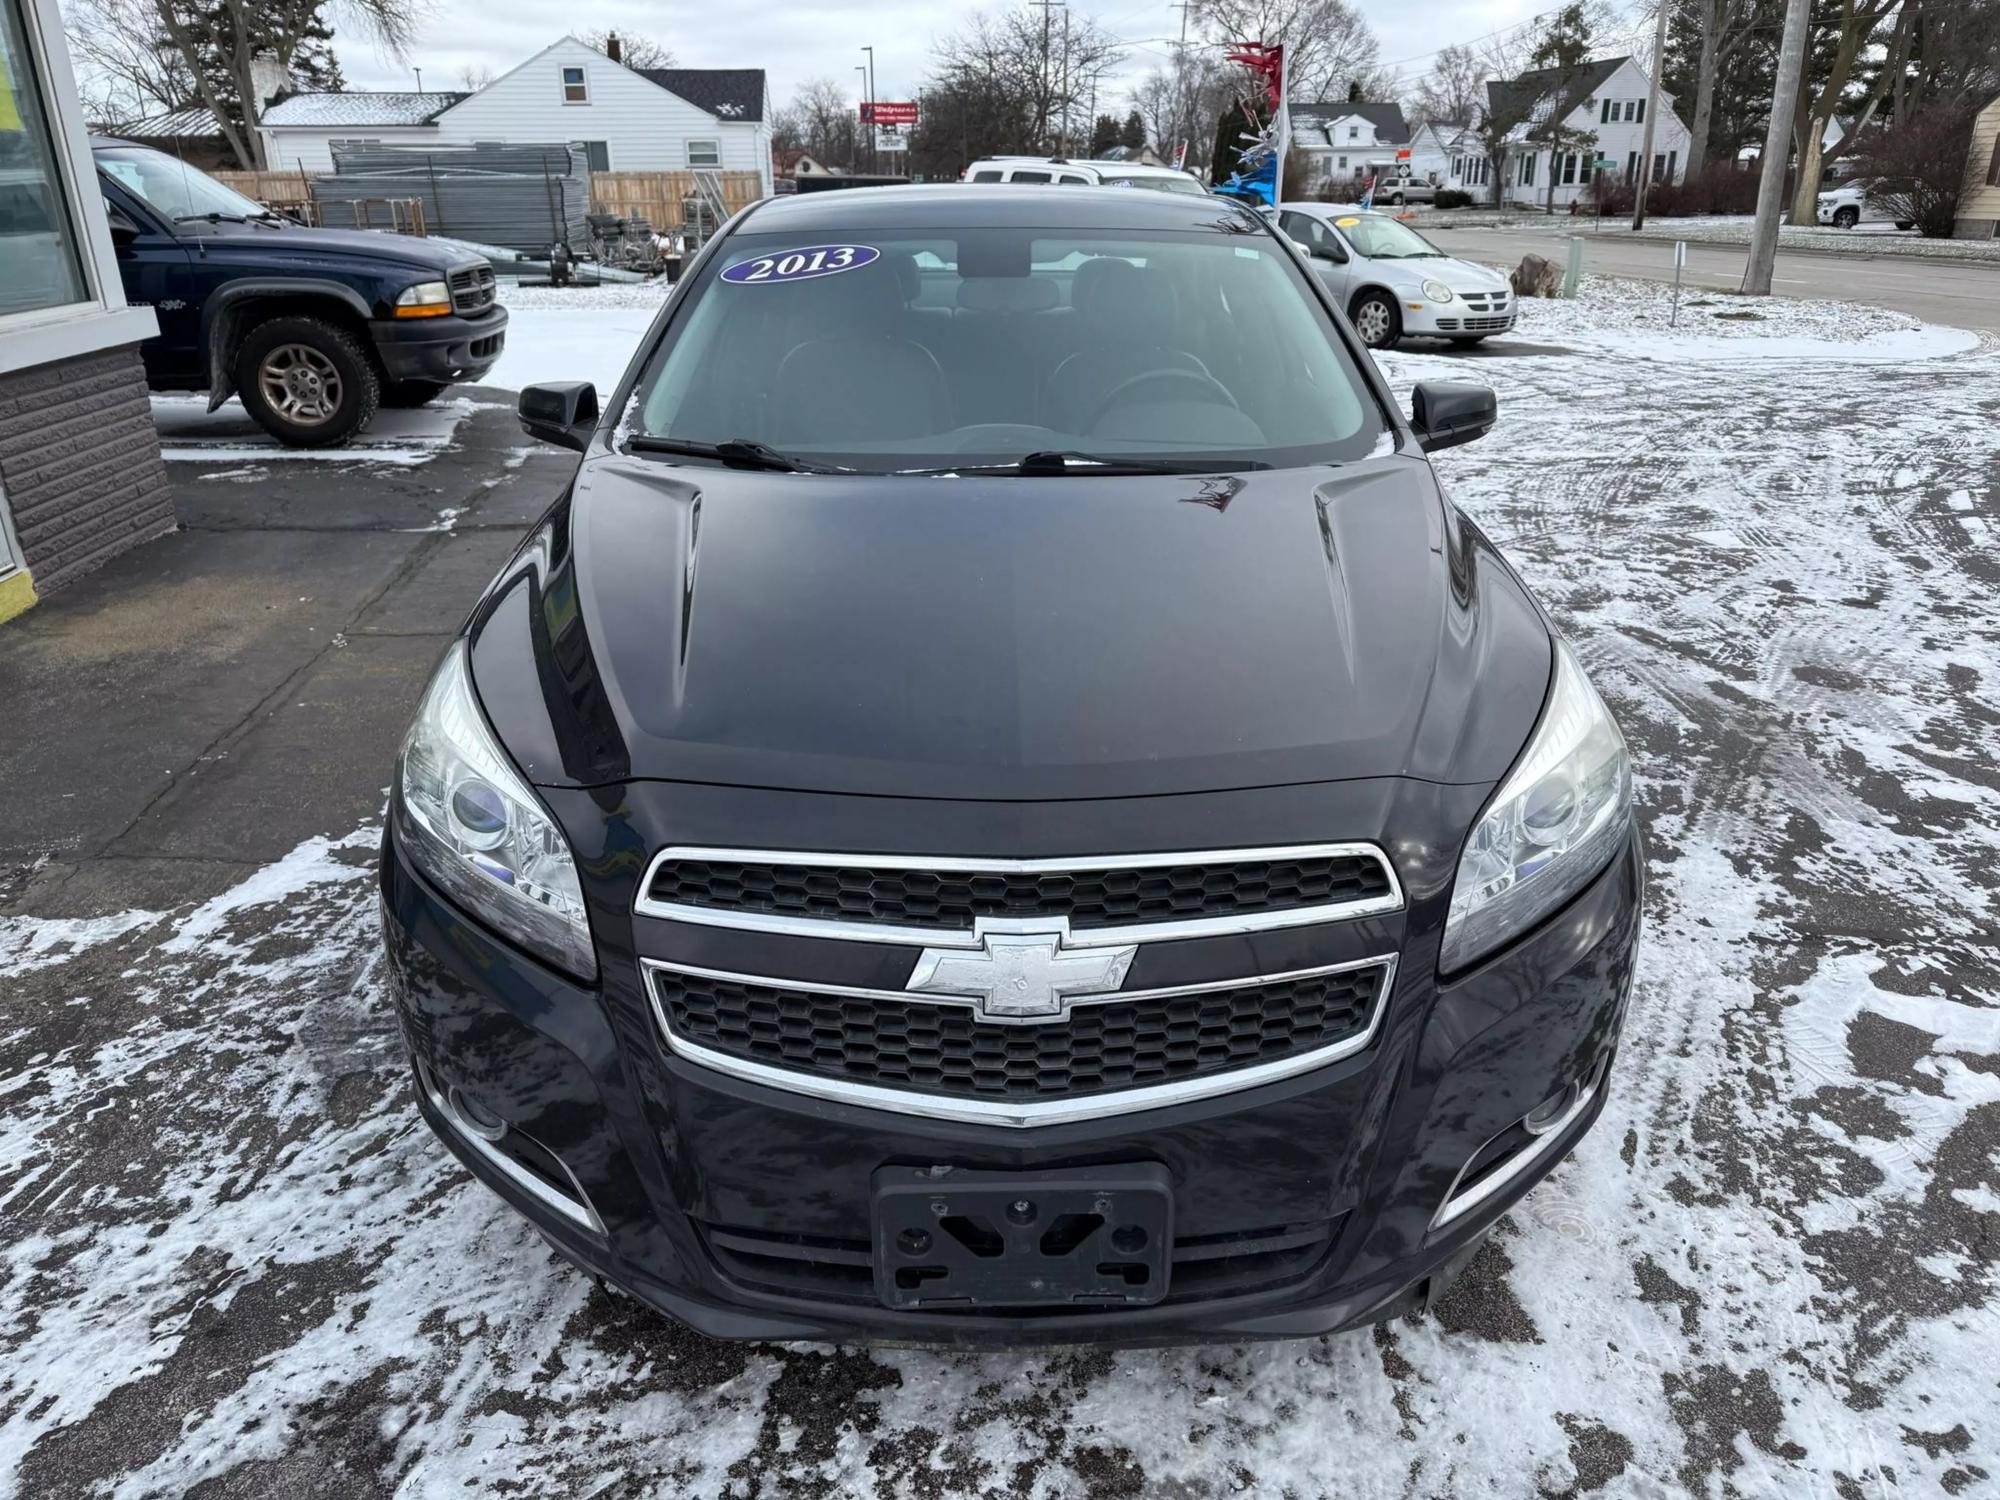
613 48
268 78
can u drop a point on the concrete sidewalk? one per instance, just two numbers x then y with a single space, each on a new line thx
207 701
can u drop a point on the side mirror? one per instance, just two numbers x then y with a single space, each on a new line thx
1330 252
564 413
1446 413
123 230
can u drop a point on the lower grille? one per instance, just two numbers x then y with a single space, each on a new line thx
1205 1266
941 1050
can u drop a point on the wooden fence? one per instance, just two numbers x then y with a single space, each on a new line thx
655 196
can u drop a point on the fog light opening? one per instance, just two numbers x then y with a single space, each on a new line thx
1543 1117
473 1116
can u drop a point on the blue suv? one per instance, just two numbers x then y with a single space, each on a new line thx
312 328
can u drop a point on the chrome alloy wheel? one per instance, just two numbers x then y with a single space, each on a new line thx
300 384
1371 321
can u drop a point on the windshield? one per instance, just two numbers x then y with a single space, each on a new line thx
1384 239
929 349
1164 183
173 188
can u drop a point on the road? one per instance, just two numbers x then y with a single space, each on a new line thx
1953 293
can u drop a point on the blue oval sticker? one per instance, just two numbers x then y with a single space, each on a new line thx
802 264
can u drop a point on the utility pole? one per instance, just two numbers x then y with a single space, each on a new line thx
1777 149
1652 115
1183 96
1045 6
874 165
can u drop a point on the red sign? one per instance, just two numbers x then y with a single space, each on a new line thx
882 112
1403 154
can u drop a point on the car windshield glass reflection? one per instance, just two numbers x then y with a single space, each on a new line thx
1385 239
977 348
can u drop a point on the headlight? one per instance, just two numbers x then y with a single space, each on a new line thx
1437 291
470 823
1554 824
427 299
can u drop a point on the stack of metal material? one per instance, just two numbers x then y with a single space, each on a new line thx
524 197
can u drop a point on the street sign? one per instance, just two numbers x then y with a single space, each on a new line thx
1403 153
891 138
882 112
1603 164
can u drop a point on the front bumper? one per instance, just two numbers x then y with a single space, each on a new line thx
1423 318
696 1192
446 349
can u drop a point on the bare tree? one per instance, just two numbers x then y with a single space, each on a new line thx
821 121
127 66
1724 30
1454 90
1916 166
1050 73
635 51
1857 28
1330 51
474 76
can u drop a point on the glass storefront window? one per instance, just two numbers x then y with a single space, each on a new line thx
39 262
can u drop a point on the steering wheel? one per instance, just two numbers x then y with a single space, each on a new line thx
1210 388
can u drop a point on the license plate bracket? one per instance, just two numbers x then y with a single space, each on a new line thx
959 1237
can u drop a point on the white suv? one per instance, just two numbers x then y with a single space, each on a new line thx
1057 169
1849 204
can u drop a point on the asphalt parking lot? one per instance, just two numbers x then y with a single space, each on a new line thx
235 1264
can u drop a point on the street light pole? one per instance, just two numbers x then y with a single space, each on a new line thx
868 124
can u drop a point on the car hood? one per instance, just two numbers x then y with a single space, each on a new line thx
1459 275
1007 638
296 244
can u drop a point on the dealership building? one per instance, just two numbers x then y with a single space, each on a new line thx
80 472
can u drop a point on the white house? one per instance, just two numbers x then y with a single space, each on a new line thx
1435 149
1347 140
632 120
1605 101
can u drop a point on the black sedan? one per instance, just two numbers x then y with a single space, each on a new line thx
1003 804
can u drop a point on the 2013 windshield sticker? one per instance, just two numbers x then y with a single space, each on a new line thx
802 264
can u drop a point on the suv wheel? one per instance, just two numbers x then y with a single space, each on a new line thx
413 392
1846 218
1376 320
307 382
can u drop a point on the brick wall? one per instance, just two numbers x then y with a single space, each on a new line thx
80 463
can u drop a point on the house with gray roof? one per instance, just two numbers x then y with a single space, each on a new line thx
628 119
1347 140
1556 123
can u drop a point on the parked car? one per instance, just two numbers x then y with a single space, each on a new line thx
1850 203
1394 283
1063 171
312 328
1000 805
1416 190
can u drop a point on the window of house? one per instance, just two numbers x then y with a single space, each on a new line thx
1354 132
1343 164
599 153
1457 169
1528 170
41 263
709 154
1569 166
574 89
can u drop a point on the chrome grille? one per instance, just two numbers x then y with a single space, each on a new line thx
890 898
473 289
935 1049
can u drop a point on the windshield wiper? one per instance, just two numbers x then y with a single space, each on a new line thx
213 217
1053 461
737 453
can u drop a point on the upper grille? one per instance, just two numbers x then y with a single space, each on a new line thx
951 897
942 1050
473 289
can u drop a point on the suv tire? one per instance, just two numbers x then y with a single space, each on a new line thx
308 382
1846 218
413 392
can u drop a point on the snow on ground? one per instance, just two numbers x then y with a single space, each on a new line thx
232 1254
191 433
574 333
1734 229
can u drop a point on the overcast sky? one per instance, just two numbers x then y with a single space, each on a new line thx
794 40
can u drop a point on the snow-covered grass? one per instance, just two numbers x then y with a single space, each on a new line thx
574 333
1769 1269
1734 229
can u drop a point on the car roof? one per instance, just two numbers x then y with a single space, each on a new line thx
976 205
